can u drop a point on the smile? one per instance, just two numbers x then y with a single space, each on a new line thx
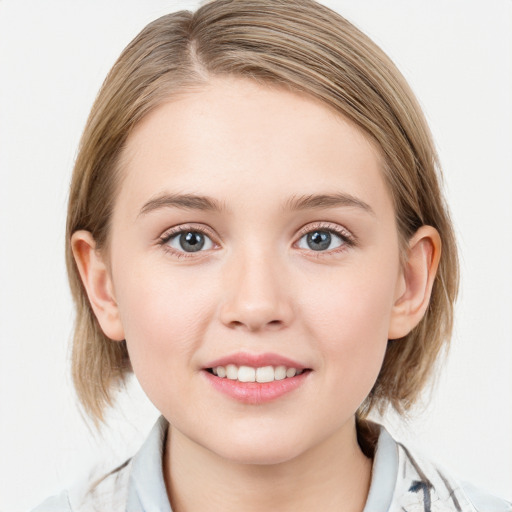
249 374
255 378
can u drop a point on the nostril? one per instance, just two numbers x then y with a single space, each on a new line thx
255 326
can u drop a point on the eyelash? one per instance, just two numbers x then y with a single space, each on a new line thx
347 238
184 228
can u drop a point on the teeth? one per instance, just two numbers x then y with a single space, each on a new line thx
246 374
265 374
291 372
231 372
280 373
250 374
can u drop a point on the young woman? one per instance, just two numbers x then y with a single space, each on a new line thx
256 230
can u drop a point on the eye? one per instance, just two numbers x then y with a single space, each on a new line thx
189 241
321 240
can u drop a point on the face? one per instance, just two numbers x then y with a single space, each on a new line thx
254 235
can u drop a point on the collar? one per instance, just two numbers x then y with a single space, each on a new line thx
147 492
384 473
146 486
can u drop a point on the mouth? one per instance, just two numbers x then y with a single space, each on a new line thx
261 374
256 379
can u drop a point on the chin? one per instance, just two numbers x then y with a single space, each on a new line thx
259 450
267 457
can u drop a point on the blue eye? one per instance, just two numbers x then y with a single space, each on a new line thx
190 241
320 240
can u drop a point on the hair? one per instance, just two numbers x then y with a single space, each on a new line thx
301 46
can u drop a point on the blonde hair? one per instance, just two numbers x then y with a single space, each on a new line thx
299 45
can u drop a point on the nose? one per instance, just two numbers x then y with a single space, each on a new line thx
256 296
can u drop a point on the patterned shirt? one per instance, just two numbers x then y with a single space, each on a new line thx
401 482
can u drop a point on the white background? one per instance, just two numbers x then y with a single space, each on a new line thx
457 55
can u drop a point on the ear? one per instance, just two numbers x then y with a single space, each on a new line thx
97 283
416 281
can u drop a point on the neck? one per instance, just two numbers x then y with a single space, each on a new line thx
332 476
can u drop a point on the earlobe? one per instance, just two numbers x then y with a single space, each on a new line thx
97 283
416 281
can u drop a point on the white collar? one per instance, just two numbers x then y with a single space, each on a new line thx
147 492
400 481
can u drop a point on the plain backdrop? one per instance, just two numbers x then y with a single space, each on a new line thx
54 55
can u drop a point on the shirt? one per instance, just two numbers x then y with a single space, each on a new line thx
401 482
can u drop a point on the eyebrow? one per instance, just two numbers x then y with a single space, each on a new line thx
295 203
183 201
319 201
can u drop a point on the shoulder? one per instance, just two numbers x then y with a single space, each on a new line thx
422 481
135 485
109 492
403 479
58 503
485 502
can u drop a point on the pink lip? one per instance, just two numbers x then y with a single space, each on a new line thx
256 361
255 392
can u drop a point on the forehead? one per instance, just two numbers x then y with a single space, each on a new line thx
234 136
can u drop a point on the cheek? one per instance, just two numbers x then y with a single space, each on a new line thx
353 303
350 319
163 319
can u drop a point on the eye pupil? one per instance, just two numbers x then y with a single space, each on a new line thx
192 241
319 240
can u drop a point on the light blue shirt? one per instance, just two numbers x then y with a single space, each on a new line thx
401 482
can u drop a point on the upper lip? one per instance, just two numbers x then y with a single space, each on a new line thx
256 361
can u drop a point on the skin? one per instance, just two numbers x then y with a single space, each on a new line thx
257 287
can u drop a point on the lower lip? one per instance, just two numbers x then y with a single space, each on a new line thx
256 392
